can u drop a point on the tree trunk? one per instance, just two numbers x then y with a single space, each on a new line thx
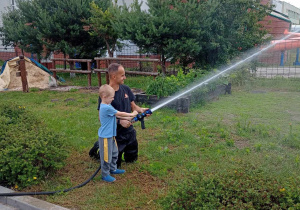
163 64
16 52
65 62
110 52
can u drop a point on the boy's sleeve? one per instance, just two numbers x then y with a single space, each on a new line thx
111 111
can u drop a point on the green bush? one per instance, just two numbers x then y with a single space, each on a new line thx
246 188
167 85
28 149
1 63
241 76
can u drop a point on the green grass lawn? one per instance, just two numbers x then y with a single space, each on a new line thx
258 125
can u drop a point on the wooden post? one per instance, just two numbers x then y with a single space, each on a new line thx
99 73
154 68
71 63
106 74
141 64
65 61
89 74
107 78
22 69
99 79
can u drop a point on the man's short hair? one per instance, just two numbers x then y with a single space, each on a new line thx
113 68
105 90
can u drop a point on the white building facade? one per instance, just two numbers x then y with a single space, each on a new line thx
144 5
291 11
5 4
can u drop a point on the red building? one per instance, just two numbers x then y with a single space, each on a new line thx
276 23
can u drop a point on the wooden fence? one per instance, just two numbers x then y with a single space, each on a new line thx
134 66
72 62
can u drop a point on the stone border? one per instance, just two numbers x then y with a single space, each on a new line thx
182 104
26 202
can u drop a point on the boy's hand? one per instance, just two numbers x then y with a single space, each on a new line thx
135 113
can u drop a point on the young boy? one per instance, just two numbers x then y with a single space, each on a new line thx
107 132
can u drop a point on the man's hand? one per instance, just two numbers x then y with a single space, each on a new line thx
125 123
145 109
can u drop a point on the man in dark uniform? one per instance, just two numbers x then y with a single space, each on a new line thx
123 102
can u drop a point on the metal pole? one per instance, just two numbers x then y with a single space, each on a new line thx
282 58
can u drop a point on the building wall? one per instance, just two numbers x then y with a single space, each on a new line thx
287 9
129 2
293 12
3 7
278 5
275 26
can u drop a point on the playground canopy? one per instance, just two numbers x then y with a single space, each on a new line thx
37 75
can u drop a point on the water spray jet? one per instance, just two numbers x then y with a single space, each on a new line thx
169 100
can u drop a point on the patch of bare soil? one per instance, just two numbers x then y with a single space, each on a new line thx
295 116
79 167
240 142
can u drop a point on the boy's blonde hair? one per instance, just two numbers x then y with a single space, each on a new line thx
105 91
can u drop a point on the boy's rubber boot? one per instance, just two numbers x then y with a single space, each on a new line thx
117 171
108 178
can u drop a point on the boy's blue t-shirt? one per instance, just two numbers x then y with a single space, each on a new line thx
108 121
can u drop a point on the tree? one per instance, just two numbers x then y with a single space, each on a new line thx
100 25
58 26
229 28
16 32
205 32
165 28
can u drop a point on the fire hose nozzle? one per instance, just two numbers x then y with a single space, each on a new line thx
140 117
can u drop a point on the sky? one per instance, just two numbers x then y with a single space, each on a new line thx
296 3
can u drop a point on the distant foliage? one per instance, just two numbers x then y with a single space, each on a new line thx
43 26
240 76
99 24
167 85
205 33
245 188
28 149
